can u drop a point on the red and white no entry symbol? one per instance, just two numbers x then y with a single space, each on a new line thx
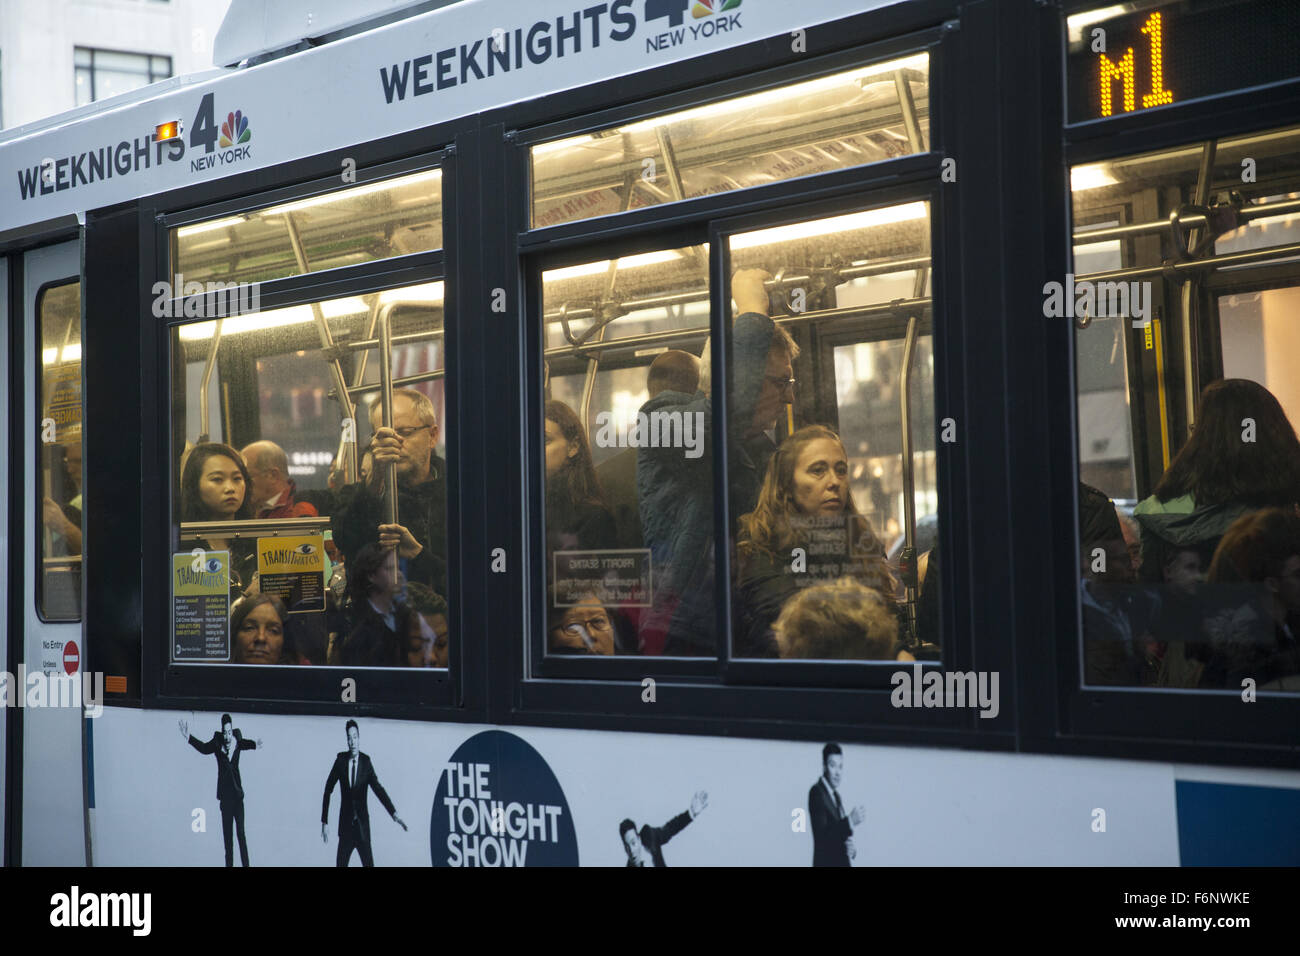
71 657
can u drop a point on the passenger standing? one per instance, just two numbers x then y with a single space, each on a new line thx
273 490
671 371
675 492
420 536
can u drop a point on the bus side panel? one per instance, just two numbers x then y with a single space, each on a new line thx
157 797
4 562
52 777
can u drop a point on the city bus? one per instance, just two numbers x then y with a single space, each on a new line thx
554 419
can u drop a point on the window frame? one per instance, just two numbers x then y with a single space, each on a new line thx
39 376
425 693
705 695
1205 726
151 78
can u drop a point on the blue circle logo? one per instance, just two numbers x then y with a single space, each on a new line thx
499 804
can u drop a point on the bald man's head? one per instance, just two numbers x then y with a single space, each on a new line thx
268 467
675 371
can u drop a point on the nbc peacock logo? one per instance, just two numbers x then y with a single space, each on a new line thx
234 130
706 8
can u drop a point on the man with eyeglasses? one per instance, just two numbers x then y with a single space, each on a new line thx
420 537
585 628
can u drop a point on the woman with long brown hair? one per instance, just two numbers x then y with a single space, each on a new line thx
577 518
804 503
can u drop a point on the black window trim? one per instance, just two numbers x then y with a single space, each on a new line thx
1204 726
38 592
426 693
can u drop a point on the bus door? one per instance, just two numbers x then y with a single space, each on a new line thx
52 782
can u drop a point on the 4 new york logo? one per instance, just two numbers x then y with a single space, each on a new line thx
709 13
229 142
129 156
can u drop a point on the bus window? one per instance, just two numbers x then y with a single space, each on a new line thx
629 510
1187 405
281 489
394 217
58 596
865 115
820 473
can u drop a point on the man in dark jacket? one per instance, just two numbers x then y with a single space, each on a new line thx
420 535
646 847
676 492
832 829
354 773
230 788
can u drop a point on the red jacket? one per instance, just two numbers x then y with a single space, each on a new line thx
288 509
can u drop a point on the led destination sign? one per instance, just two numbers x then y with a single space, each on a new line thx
1130 57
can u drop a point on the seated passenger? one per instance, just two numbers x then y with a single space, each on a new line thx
378 623
841 620
420 534
671 371
675 492
577 518
273 490
804 503
260 632
426 636
214 487
1256 637
1218 475
585 628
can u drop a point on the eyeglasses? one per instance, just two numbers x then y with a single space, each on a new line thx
781 382
597 624
405 433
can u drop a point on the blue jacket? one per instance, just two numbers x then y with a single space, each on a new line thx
676 492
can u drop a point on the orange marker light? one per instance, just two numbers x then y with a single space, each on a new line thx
167 131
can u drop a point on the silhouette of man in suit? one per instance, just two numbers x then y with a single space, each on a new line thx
230 788
353 771
832 831
646 848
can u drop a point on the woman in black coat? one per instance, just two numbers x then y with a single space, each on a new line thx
804 503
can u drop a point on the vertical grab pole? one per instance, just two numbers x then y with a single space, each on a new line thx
907 564
386 420
1188 297
204 414
326 339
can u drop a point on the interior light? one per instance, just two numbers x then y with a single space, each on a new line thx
1091 177
49 356
208 226
72 353
821 227
746 104
596 268
345 194
1080 21
429 292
